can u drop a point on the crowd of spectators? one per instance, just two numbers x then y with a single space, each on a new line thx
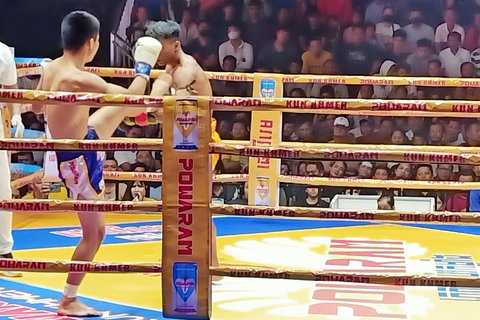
321 37
432 38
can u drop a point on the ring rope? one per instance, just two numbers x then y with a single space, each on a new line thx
374 183
128 176
338 214
398 279
89 145
77 266
155 207
316 275
417 154
241 271
342 106
354 152
23 181
53 205
299 78
154 176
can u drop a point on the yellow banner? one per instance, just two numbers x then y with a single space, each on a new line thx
269 89
186 284
265 131
320 213
352 152
303 78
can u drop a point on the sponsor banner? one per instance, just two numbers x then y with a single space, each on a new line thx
186 284
265 131
375 251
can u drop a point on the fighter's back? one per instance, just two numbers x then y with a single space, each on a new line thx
64 121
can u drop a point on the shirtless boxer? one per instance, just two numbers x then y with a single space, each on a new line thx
82 171
188 78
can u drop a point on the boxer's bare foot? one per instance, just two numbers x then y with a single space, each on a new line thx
74 308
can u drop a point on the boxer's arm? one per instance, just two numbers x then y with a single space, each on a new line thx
38 107
162 85
90 82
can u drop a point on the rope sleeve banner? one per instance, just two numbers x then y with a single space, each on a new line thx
77 266
317 275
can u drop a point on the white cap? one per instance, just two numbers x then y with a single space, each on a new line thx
367 164
341 121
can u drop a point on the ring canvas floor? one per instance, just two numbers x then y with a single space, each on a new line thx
368 247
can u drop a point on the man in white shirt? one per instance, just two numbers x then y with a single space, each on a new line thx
417 30
238 48
453 56
443 30
8 80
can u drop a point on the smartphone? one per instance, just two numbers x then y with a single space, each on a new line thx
55 186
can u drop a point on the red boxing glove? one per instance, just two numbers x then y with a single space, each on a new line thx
142 119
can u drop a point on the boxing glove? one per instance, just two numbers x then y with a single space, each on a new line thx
146 53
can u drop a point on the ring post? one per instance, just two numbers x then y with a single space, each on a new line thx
187 174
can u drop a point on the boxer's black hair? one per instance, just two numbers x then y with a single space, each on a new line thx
77 28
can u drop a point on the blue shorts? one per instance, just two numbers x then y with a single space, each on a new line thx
82 171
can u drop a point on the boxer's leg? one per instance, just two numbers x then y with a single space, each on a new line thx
93 228
107 119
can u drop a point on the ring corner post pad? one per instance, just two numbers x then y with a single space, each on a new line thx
186 284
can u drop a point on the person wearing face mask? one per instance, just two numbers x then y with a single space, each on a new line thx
203 48
384 30
417 30
238 48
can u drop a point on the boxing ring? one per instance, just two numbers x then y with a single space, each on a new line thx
357 264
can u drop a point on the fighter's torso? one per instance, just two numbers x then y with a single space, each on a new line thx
201 86
65 121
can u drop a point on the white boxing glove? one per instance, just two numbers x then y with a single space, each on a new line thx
146 53
18 125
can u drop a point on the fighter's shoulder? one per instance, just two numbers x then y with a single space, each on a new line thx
190 62
83 80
